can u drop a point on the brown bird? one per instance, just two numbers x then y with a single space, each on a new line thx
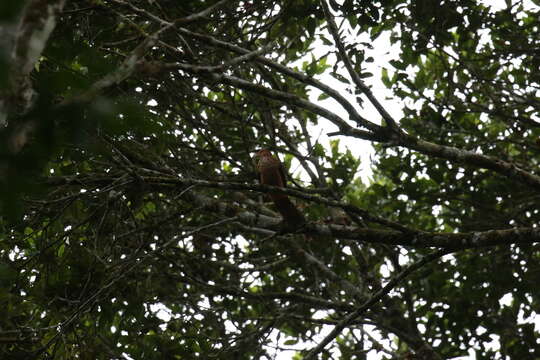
271 172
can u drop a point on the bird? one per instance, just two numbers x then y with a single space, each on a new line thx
271 172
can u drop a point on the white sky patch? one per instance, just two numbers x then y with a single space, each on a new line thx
162 312
382 52
506 299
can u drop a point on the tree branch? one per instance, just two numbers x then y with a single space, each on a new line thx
375 298
288 98
332 28
355 116
505 168
450 153
404 237
37 21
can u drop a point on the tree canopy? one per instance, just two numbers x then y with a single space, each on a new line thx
133 224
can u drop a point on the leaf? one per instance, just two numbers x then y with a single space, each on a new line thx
385 79
340 77
323 96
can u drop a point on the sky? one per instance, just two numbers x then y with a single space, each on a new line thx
382 52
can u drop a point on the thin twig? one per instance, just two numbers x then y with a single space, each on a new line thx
352 72
375 298
351 110
126 271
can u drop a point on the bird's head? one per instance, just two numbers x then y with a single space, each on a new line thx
259 154
263 152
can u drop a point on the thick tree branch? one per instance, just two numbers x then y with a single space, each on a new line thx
37 22
406 237
453 154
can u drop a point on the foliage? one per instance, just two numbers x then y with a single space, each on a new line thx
132 225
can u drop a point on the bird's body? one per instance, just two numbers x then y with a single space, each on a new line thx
271 173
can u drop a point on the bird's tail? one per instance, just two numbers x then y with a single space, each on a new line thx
289 211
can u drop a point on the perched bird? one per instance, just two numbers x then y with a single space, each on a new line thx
271 172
